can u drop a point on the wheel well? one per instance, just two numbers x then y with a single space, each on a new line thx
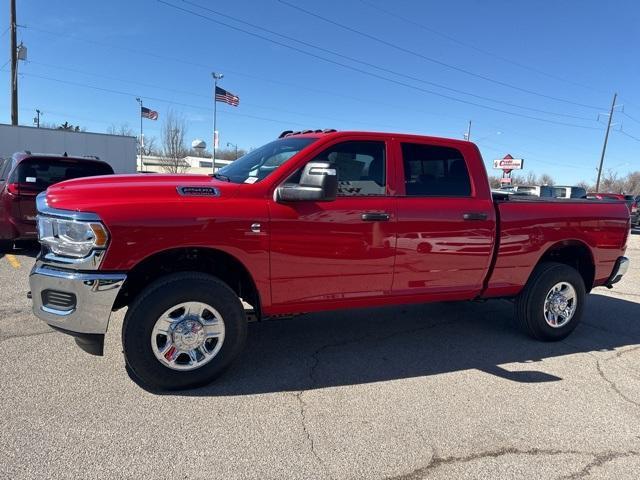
205 260
576 255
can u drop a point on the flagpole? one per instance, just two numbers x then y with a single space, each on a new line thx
216 77
140 140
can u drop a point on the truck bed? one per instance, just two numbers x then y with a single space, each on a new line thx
529 226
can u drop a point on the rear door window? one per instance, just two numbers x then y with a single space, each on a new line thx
434 171
39 174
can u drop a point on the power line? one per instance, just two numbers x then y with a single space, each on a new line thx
629 135
371 65
372 74
207 68
474 47
630 117
427 58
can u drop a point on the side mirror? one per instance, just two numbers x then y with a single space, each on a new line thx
318 183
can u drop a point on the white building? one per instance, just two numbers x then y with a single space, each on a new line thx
202 165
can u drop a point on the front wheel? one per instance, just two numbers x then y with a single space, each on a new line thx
551 304
183 331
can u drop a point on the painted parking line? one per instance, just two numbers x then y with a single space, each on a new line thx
15 263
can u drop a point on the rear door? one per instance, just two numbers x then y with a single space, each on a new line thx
446 225
340 250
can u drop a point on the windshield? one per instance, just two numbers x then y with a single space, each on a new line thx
258 164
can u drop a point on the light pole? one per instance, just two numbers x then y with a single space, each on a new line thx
36 120
216 77
229 144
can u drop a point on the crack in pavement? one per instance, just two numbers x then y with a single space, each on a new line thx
601 373
310 441
613 386
599 460
437 461
315 356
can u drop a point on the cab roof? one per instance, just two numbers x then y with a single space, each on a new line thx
333 132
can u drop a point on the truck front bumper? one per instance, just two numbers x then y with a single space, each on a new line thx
76 303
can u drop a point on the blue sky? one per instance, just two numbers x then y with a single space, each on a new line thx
89 60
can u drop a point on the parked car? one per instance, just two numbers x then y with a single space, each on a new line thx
23 177
545 191
312 221
565 191
635 212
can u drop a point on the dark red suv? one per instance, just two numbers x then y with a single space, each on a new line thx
23 177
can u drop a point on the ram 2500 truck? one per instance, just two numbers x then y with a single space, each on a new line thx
313 221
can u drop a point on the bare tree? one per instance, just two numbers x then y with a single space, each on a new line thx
546 179
229 154
124 129
149 146
174 131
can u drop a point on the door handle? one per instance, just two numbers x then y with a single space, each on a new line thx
375 217
475 216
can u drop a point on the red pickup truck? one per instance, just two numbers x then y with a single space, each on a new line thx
315 220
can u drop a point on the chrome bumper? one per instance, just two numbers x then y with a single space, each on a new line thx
619 269
93 296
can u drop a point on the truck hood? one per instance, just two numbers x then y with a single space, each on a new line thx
92 194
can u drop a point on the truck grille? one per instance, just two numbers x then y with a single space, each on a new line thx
58 300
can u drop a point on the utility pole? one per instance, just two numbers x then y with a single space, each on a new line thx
229 144
14 66
606 139
37 119
467 136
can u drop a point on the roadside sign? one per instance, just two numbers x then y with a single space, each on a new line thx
505 181
508 163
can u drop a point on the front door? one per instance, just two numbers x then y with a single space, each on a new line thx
339 250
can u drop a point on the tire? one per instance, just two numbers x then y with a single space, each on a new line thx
142 321
532 310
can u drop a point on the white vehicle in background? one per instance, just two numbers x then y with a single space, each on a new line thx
545 191
564 191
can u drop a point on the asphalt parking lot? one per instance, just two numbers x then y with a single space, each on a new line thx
430 391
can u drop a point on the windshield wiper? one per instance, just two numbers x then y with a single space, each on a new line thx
222 177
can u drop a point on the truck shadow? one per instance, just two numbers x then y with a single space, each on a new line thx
374 345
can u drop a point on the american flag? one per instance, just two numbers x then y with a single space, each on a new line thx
227 97
148 113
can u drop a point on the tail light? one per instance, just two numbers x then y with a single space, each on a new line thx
13 188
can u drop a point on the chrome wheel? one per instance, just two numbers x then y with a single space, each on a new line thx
560 304
188 336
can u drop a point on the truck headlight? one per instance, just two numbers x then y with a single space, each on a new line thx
71 238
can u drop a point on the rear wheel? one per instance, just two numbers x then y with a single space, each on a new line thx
551 304
183 331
